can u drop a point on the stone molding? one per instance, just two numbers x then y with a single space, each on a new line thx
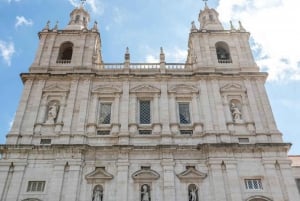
191 174
98 175
145 175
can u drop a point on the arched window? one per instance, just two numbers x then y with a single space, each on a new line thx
258 198
223 53
77 18
193 192
98 193
65 53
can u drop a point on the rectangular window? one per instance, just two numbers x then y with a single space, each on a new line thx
145 132
103 132
243 140
253 184
105 113
145 112
298 184
184 113
186 132
45 141
36 186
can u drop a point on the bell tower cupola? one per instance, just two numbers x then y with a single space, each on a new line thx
74 47
79 19
209 19
216 49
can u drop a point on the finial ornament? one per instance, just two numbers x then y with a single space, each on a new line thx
231 26
241 26
47 25
83 2
205 1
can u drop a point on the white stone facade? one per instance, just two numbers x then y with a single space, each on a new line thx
90 131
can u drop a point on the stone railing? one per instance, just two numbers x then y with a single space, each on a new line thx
145 66
63 61
224 61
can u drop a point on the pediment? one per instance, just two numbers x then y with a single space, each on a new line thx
145 89
183 89
56 88
233 87
104 89
148 175
99 174
191 174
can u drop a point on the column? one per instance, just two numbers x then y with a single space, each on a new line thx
195 113
173 115
273 179
233 181
20 113
55 186
70 107
83 96
122 175
245 114
16 181
164 109
156 122
33 104
266 105
6 172
115 117
219 107
72 186
133 126
206 106
288 180
217 180
124 114
168 179
172 105
41 115
252 102
92 115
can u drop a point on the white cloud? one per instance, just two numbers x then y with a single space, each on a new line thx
176 55
274 26
7 50
151 59
9 1
21 20
96 5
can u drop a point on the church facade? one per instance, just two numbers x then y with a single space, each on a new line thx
203 130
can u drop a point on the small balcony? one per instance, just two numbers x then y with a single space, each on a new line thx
63 61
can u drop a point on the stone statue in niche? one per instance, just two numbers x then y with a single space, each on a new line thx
98 193
236 113
193 193
145 193
52 113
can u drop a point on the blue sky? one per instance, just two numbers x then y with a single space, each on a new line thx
146 25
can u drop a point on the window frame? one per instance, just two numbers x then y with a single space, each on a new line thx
189 110
31 189
100 113
252 187
139 111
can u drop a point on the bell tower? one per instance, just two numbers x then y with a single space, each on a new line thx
212 48
73 47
